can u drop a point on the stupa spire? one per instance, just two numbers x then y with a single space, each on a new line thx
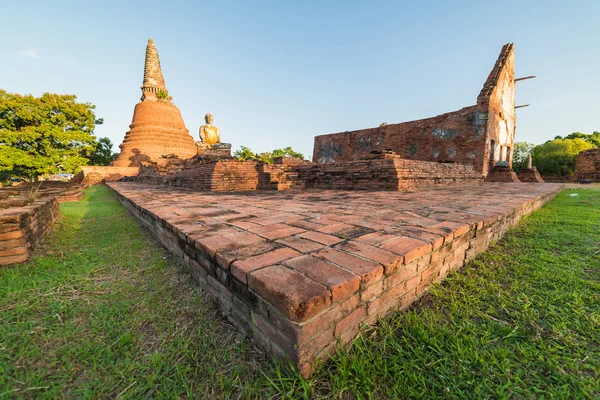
153 78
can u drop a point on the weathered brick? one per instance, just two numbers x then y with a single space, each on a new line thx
295 295
342 283
389 260
240 269
368 271
351 321
407 247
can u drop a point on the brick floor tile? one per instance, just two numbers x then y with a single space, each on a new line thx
320 237
301 244
240 269
408 247
228 255
292 293
282 232
334 228
389 260
369 271
340 282
375 238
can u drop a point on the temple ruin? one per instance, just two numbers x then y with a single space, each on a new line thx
588 166
157 128
478 135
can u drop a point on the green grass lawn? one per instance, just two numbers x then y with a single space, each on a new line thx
101 311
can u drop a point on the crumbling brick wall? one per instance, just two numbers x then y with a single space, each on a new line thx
387 172
23 228
588 165
478 135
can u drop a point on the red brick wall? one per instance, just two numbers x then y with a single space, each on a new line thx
388 172
588 165
457 136
23 228
463 136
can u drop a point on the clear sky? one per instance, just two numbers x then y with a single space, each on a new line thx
277 73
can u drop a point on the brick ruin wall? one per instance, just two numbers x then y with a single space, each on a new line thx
218 176
95 175
324 325
588 165
478 135
390 172
453 137
379 172
23 228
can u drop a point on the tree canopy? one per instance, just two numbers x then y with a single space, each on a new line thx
245 153
44 135
103 154
521 153
559 156
593 138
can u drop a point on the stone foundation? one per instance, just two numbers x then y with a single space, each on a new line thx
387 172
23 228
304 271
530 175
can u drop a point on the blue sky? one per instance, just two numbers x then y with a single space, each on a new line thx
277 73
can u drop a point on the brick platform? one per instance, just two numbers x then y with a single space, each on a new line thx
23 228
304 270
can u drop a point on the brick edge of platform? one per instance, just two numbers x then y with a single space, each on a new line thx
304 342
23 228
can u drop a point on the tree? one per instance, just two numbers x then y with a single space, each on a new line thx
521 153
103 154
558 156
243 153
44 135
593 138
267 157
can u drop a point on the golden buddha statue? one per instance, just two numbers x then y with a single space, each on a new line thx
209 134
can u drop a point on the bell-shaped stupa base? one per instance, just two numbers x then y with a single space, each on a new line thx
157 130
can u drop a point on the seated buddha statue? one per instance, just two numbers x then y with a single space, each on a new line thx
209 134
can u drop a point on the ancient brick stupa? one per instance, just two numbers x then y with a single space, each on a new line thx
157 129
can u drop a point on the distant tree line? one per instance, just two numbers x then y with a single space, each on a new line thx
555 157
49 134
244 153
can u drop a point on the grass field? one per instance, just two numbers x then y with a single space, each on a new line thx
101 311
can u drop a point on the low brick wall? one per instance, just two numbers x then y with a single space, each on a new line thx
303 280
221 176
23 228
95 175
387 172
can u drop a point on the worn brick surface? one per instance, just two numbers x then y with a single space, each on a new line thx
588 165
310 289
24 227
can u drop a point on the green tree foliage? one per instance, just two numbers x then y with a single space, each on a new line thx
559 156
44 135
521 153
593 138
245 153
103 154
